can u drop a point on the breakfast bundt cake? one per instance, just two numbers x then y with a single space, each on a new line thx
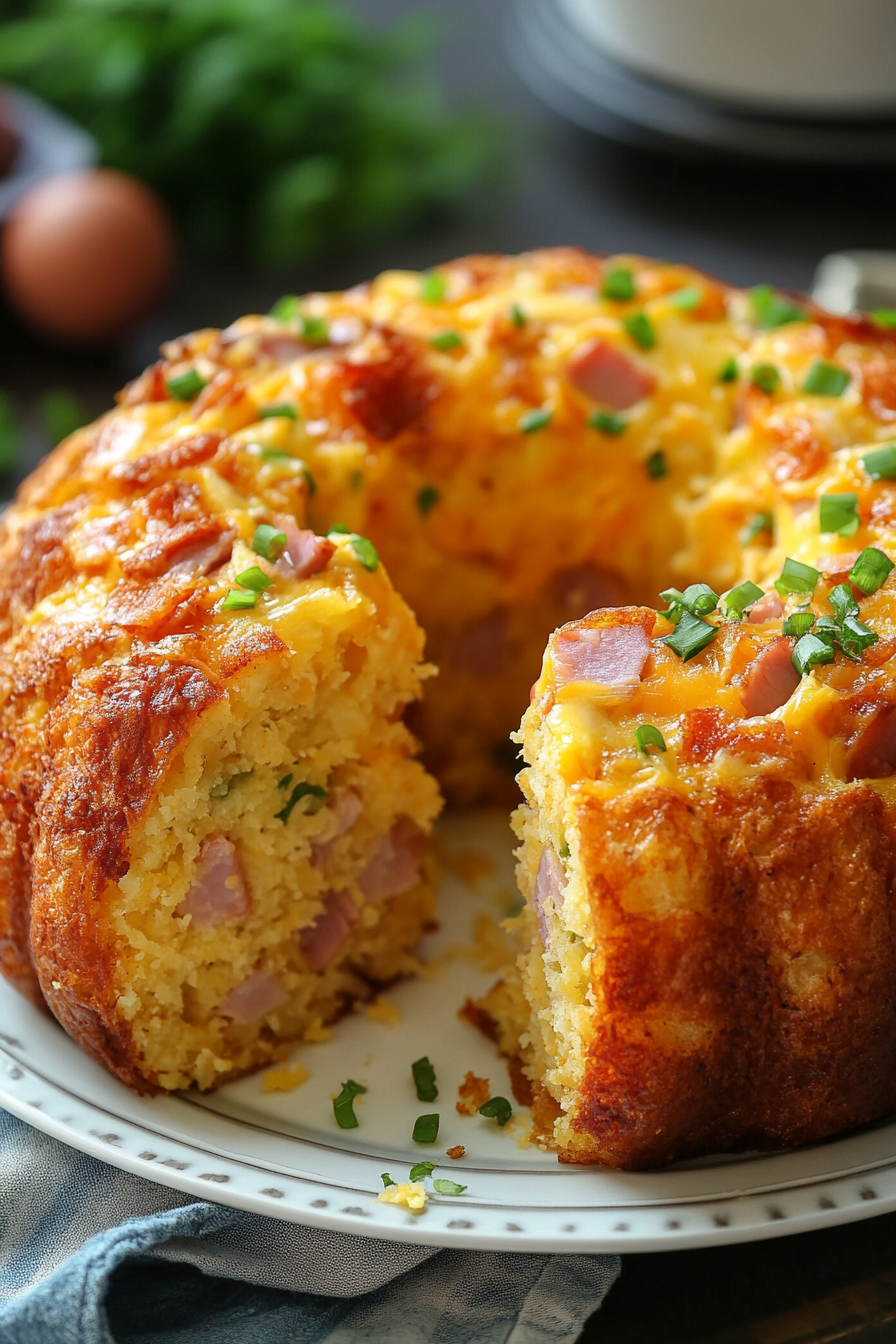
212 819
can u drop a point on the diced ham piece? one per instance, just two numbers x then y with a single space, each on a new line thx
830 565
322 940
306 553
346 808
874 754
605 373
219 888
394 865
550 882
258 994
770 680
613 655
768 608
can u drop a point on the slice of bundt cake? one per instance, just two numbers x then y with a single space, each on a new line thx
212 819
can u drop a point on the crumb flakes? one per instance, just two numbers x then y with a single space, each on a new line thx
286 1079
472 1093
457 1151
410 1194
381 1010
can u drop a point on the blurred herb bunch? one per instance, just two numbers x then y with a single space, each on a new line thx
277 128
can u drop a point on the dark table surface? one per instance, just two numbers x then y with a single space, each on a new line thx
745 221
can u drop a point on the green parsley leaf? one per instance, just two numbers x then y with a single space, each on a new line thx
268 541
269 412
766 377
826 380
870 570
770 309
641 330
539 418
186 386
446 340
285 309
798 623
517 316
839 513
608 422
656 465
881 463
796 577
421 1170
312 791
728 371
810 652
365 551
759 523
426 1129
687 298
427 498
433 287
648 736
691 635
619 284
444 1187
239 600
254 578
424 1079
498 1109
344 1104
314 330
386 1180
738 599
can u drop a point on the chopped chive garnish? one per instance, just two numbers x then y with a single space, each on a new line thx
421 1170
799 623
607 422
444 1187
432 287
687 298
310 482
855 638
356 480
517 316
344 1105
656 465
839 513
340 529
386 1180
796 578
427 498
641 330
766 377
826 380
619 284
884 317
238 599
881 464
186 386
366 552
648 736
446 340
301 791
870 570
770 309
277 455
759 523
699 599
843 602
269 412
285 782
498 1109
314 330
563 851
286 309
269 542
539 418
426 1129
691 635
810 652
738 599
424 1079
728 371
254 578
219 790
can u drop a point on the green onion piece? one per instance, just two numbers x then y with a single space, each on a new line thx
432 287
564 850
798 623
656 465
340 529
310 482
426 1129
826 380
881 464
219 790
517 316
238 599
386 1180
427 498
285 309
268 541
828 629
699 599
690 636
856 637
870 570
254 578
421 1170
314 331
738 599
607 422
444 1187
269 412
356 480
446 340
277 455
675 599
843 602
690 297
497 1108
344 1105
648 736
839 513
186 386
760 522
884 317
424 1079
539 418
285 782
619 284
809 652
770 309
366 552
796 578
766 377
300 791
641 330
728 371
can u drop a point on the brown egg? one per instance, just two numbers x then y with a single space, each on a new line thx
85 253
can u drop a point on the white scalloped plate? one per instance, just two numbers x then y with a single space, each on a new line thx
281 1154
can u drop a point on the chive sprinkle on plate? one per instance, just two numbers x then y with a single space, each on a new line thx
344 1104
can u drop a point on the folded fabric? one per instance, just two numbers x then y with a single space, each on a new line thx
93 1255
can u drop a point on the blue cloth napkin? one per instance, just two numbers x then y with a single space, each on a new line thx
93 1255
